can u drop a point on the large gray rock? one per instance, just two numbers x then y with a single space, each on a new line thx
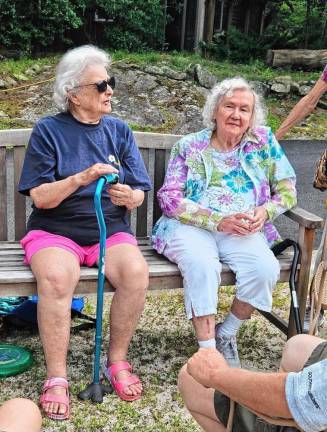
3 84
280 88
260 87
283 79
165 71
204 77
10 82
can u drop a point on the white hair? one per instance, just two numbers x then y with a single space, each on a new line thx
227 88
71 68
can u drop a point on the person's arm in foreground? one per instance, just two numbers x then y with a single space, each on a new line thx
259 391
304 107
17 415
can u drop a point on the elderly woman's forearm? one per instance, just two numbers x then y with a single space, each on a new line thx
50 195
304 107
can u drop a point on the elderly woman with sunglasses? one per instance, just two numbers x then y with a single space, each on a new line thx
223 188
66 155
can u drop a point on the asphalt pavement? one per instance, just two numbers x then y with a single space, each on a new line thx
304 156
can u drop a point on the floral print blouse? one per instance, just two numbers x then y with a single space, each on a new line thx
230 189
190 172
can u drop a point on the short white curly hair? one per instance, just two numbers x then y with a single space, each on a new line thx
71 68
226 88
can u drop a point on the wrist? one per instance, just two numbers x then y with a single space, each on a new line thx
76 180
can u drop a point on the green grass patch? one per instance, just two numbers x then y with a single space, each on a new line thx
255 70
17 67
12 123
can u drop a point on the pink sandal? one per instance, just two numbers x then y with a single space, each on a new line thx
51 398
119 386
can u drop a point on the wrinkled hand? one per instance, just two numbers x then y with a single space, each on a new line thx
205 364
93 173
121 195
237 224
259 218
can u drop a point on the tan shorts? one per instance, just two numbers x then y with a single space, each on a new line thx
245 420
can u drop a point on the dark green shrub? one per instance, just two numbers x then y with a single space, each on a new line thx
235 46
35 25
137 24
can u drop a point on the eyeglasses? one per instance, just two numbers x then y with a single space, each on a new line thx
102 85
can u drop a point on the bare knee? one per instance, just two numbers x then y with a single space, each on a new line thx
184 383
297 351
19 411
58 283
182 378
135 277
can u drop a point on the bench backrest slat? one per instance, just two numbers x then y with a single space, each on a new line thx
154 148
159 169
142 211
19 199
3 196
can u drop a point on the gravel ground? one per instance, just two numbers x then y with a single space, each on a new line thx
161 345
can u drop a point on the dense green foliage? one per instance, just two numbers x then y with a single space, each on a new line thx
37 24
53 25
289 24
40 25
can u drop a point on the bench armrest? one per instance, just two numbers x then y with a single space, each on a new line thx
308 223
304 218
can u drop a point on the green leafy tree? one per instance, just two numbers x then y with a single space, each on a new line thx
137 24
37 24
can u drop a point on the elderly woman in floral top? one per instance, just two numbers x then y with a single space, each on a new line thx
223 188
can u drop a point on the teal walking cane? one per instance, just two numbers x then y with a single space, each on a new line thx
96 390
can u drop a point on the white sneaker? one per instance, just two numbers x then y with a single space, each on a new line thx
228 348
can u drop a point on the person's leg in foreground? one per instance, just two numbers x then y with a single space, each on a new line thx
199 400
57 272
127 271
17 415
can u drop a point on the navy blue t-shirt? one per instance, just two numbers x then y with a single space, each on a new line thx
61 146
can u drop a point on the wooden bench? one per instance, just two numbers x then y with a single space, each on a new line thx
17 279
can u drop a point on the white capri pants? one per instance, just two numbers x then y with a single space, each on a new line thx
199 254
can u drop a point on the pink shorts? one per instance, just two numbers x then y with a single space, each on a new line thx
36 240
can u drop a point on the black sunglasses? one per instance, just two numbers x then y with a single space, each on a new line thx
102 85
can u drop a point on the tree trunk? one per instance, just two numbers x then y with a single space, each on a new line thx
307 23
305 59
209 20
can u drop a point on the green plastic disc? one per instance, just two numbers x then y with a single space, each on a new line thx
14 360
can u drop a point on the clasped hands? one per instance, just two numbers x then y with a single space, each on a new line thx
242 224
